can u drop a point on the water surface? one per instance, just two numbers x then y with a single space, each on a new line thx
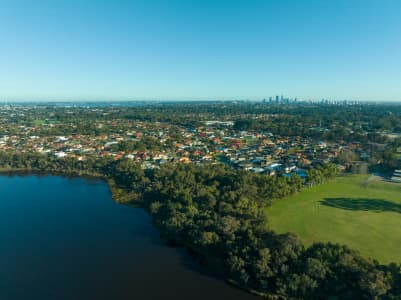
66 238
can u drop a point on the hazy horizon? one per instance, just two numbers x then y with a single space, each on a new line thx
166 100
199 50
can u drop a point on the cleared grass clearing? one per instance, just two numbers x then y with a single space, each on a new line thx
346 210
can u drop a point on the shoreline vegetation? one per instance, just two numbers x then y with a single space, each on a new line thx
219 214
119 194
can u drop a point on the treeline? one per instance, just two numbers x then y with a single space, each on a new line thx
300 125
320 173
348 122
219 213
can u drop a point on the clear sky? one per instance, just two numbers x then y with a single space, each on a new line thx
200 49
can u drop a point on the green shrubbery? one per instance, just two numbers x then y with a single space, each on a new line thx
218 212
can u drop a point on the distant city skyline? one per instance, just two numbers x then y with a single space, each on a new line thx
200 50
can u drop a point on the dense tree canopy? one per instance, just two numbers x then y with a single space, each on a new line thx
219 214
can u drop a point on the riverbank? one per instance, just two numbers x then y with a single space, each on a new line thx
65 238
122 196
119 194
218 213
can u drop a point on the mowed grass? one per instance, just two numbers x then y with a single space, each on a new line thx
346 210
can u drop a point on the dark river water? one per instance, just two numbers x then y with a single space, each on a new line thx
67 239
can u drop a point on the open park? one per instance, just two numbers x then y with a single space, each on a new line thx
354 210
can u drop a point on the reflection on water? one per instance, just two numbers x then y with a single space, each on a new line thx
66 239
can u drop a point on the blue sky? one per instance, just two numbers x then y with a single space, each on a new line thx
200 49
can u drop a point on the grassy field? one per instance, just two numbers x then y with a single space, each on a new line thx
38 122
347 210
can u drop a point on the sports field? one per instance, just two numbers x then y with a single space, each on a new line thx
363 214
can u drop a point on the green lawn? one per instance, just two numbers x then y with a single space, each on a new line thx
38 122
346 211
